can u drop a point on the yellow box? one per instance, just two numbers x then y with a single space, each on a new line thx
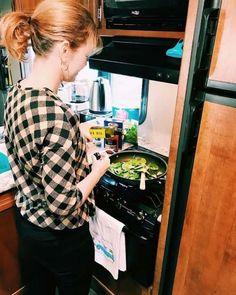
97 132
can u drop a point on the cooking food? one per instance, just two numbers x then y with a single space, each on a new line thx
132 168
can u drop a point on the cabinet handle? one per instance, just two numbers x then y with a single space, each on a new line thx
99 13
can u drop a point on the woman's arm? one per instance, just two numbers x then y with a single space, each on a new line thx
99 167
62 191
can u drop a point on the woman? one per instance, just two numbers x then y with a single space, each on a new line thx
47 151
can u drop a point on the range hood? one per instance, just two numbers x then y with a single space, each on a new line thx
140 57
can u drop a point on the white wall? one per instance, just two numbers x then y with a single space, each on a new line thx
155 132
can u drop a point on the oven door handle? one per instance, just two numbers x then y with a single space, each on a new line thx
128 231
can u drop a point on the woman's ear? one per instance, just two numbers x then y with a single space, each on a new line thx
64 49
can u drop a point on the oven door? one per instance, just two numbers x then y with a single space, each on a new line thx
141 257
140 253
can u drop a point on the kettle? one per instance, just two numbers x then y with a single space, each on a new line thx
100 97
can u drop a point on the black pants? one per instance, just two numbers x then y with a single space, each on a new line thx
50 259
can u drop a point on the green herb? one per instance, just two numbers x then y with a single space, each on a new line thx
131 134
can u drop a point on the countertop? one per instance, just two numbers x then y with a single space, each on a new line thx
7 200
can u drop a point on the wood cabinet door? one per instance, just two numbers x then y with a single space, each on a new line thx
27 6
94 7
223 65
207 258
9 264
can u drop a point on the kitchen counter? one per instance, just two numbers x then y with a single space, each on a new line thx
10 281
6 179
7 191
7 200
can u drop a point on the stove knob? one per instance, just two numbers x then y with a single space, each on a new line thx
118 203
140 215
106 196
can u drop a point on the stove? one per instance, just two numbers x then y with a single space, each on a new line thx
139 211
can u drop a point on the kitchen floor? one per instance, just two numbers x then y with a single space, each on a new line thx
95 289
91 292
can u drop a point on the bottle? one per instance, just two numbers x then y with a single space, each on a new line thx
119 133
98 135
111 139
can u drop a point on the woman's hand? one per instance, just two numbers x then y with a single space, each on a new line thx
101 165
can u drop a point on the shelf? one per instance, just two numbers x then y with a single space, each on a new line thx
140 57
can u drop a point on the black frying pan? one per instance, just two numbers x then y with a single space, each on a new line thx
127 155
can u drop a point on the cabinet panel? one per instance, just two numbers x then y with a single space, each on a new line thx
207 257
94 6
9 265
223 66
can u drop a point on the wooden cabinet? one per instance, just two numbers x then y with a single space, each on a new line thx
206 260
207 257
27 6
223 65
94 6
9 264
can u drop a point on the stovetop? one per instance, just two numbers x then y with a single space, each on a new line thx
137 209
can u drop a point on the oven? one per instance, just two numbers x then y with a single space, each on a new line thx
139 211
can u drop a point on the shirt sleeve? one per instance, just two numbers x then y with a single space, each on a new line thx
58 170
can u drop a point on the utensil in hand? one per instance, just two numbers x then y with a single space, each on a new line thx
143 171
98 155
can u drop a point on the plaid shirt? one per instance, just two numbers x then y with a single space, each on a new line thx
47 157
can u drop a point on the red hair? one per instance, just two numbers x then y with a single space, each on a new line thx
52 21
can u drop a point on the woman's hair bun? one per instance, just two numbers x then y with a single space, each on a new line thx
15 33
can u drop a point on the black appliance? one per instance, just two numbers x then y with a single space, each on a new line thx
140 57
139 211
168 15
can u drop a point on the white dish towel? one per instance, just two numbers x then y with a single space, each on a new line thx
109 242
7 181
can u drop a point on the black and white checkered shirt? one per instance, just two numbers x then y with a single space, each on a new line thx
47 157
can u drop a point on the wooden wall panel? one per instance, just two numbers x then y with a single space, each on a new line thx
223 66
207 257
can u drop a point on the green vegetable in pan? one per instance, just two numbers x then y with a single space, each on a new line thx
131 169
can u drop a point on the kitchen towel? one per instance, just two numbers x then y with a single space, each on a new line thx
109 242
4 163
7 181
